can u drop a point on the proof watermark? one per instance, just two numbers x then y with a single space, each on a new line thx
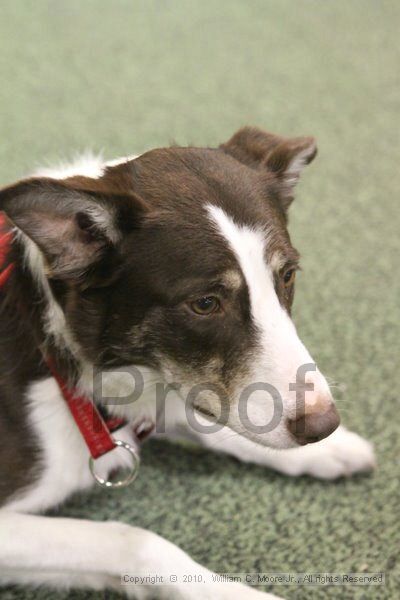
132 386
256 579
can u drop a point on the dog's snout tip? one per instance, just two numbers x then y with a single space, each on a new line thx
314 427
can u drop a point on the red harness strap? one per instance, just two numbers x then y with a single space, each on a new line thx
94 429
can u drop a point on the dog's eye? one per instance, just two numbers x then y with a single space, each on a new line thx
205 306
289 277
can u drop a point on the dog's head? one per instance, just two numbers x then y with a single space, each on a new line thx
180 260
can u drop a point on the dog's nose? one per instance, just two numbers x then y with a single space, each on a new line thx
314 425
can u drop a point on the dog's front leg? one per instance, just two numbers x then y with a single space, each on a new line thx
59 552
343 453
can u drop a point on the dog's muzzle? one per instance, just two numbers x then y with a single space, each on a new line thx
314 425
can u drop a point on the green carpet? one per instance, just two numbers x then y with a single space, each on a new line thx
122 76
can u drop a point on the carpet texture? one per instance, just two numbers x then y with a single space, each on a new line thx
124 76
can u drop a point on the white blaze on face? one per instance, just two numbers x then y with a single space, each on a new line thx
280 351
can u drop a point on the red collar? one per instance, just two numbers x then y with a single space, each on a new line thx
6 237
95 430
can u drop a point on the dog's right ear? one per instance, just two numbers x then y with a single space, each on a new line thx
72 224
281 159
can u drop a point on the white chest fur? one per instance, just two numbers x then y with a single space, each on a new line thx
63 467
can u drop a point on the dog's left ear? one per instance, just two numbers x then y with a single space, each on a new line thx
283 159
77 223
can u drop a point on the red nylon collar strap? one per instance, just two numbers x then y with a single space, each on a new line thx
94 429
6 237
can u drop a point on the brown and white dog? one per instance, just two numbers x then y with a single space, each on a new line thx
177 263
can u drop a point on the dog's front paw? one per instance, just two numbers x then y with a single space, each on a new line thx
341 454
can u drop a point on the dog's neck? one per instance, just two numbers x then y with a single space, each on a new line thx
35 325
